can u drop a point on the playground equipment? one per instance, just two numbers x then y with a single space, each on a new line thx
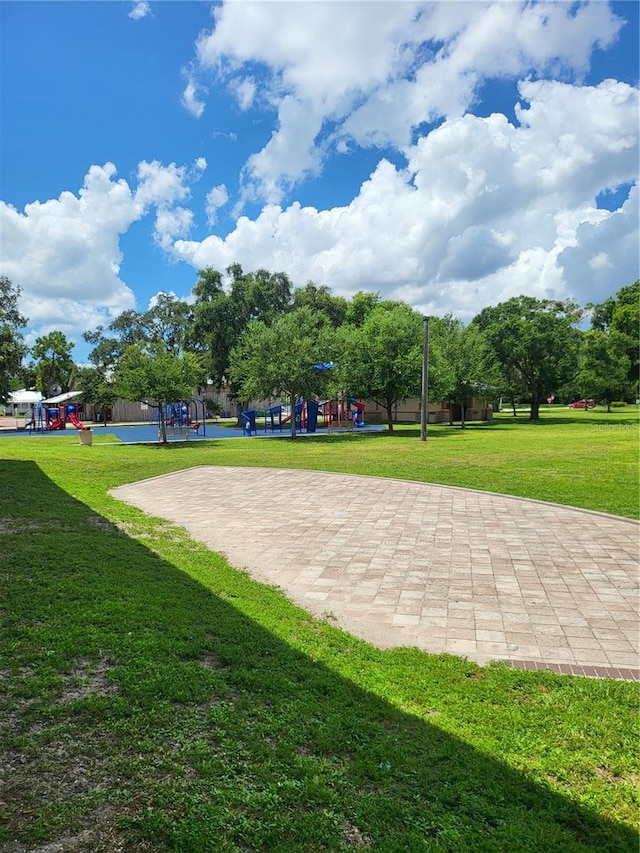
357 414
55 417
73 418
37 419
249 422
307 413
47 418
274 414
184 415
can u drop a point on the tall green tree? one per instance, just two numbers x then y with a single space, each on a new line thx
12 348
536 340
321 300
97 388
96 381
619 318
603 368
53 362
131 354
220 316
259 295
469 361
156 376
166 324
381 360
278 360
360 306
213 331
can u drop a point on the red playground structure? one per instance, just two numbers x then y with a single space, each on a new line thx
56 418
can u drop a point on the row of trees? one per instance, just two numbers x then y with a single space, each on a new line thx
262 338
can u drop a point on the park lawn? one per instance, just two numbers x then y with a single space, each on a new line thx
155 698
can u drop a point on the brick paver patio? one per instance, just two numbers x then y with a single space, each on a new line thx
471 573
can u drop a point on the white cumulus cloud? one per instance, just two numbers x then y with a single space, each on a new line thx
65 253
192 97
371 73
163 187
140 10
484 210
217 197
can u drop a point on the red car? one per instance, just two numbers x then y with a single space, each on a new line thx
582 404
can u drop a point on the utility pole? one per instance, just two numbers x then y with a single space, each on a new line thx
424 399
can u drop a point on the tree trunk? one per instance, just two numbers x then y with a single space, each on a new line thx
163 425
389 408
463 410
535 408
293 416
450 412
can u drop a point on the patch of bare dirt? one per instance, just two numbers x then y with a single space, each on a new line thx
9 526
352 837
89 678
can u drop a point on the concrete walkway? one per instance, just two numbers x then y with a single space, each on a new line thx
398 563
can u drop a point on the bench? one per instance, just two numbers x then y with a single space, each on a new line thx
173 431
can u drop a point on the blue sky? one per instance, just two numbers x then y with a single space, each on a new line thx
449 154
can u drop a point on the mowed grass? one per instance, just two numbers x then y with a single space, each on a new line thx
155 698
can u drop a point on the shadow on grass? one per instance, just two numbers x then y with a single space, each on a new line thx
142 708
314 438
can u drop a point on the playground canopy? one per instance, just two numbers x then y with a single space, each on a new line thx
62 398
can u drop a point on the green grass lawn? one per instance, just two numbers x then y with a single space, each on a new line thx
155 698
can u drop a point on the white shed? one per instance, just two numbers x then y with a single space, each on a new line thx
21 401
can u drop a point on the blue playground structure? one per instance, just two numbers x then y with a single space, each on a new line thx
183 413
273 419
307 414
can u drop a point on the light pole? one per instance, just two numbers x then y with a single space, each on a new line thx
424 399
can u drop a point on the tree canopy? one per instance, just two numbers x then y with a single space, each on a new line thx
619 318
469 362
12 348
535 339
156 376
220 317
381 360
603 368
256 335
278 360
54 367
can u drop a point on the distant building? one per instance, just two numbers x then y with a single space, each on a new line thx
477 409
20 402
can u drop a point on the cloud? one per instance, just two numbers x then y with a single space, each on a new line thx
604 252
170 224
216 198
245 91
65 253
484 210
471 211
140 10
369 74
191 99
163 187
